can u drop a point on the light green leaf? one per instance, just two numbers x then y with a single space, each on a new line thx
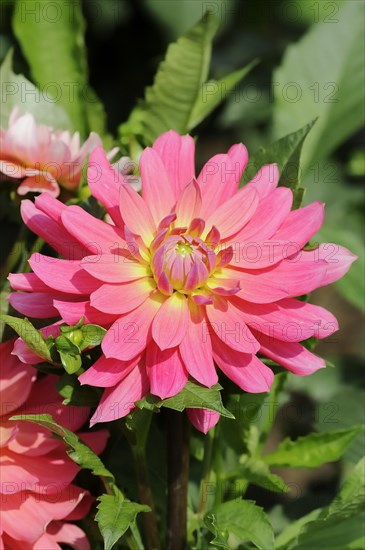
322 75
115 515
92 335
52 41
312 450
29 334
257 472
69 354
193 396
212 94
286 154
350 501
243 519
78 451
16 90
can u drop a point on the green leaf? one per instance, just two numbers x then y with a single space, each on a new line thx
286 154
73 393
322 75
257 472
92 335
69 354
15 89
115 515
351 498
312 450
243 519
78 451
52 41
213 92
29 334
180 98
192 396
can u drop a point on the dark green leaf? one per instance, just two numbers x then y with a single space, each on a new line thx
255 471
115 515
73 393
312 450
286 154
78 451
243 519
29 334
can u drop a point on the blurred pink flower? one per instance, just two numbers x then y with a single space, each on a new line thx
38 498
192 274
41 157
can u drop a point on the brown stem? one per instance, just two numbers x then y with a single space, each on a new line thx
177 479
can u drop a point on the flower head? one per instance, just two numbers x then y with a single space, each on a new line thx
195 273
41 157
38 497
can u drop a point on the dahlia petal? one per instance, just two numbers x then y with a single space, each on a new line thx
177 153
33 304
270 214
203 419
300 225
196 348
136 214
338 261
291 355
231 216
227 323
50 206
170 323
246 370
95 235
166 371
25 354
71 313
288 320
118 299
106 373
29 282
105 182
188 204
66 533
15 379
113 268
119 401
63 275
153 170
51 231
265 181
39 183
129 335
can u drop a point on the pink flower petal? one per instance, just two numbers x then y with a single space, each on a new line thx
71 313
227 323
196 347
118 299
33 304
106 373
119 401
244 369
177 153
113 268
166 371
130 334
300 225
171 321
153 170
136 214
63 275
203 419
29 282
188 204
15 380
266 180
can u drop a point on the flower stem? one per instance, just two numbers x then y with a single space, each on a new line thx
177 479
207 471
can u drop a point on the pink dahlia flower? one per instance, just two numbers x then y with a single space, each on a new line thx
38 498
42 158
195 274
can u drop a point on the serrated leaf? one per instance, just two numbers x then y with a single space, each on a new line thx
192 396
15 88
350 501
73 393
78 450
29 334
55 49
212 94
115 515
180 98
286 154
257 472
243 519
312 450
322 75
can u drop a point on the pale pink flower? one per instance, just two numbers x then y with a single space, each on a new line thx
41 157
38 498
193 274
